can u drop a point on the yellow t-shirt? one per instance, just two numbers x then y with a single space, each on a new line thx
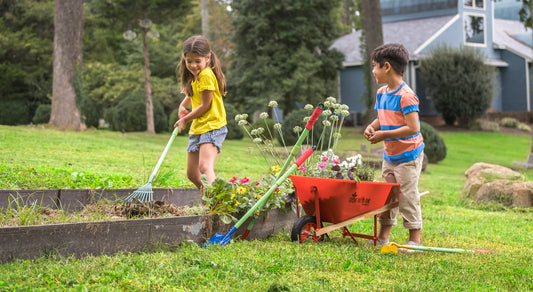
215 117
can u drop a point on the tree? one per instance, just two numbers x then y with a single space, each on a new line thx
458 82
129 15
373 32
68 23
282 53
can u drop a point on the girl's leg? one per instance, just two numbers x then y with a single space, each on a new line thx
193 172
206 163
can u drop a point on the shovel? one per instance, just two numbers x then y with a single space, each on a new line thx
393 248
221 239
295 149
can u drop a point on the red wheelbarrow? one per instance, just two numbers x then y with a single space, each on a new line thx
340 202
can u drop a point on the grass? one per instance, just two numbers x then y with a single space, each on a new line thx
277 264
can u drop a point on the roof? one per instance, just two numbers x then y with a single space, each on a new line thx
508 35
407 32
513 36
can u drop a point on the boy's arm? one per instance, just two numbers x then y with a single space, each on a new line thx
411 128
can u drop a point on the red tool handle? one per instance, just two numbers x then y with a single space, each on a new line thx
305 155
184 114
314 116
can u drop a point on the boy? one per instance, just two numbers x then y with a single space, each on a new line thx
398 126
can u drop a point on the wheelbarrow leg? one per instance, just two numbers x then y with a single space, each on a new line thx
317 207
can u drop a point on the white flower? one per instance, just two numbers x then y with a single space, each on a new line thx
345 107
308 107
297 129
326 113
260 130
327 104
331 99
306 119
254 132
337 135
277 126
326 123
273 103
243 123
334 118
345 113
263 115
257 140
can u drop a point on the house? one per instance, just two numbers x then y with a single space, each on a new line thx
421 25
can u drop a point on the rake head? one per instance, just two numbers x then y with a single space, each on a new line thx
388 248
143 194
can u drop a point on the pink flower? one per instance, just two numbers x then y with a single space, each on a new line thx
276 190
336 161
322 165
245 180
257 184
325 159
233 180
302 168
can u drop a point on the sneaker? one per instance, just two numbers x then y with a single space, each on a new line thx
379 243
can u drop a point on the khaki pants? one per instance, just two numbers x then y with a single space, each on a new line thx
406 174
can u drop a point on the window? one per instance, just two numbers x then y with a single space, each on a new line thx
480 4
474 29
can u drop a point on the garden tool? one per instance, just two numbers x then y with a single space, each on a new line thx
295 149
393 248
145 193
218 238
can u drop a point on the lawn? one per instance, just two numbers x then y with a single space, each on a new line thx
40 158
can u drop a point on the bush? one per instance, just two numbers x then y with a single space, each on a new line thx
15 112
509 122
435 149
459 83
297 119
42 114
130 114
234 131
267 125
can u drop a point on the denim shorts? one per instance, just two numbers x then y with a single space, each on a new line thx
215 136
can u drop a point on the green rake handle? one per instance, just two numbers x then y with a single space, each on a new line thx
170 141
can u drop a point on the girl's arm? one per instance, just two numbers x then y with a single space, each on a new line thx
411 128
206 97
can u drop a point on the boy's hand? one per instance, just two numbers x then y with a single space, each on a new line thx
377 137
369 132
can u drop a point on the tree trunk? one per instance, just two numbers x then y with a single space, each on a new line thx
373 38
148 86
68 32
205 18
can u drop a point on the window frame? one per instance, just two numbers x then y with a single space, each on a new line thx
484 23
474 5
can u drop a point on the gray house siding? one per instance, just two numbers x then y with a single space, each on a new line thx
353 87
514 83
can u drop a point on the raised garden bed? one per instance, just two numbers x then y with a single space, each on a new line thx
107 237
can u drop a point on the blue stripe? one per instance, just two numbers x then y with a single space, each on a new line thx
404 157
410 108
388 102
403 138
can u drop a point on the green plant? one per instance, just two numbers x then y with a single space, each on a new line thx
234 131
524 127
509 122
458 82
130 114
14 112
435 148
42 114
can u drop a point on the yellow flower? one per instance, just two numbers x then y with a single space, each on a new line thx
237 203
257 212
276 168
241 190
232 196
259 196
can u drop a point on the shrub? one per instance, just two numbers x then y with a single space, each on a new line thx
267 125
130 114
459 83
524 127
42 114
509 122
297 119
15 112
234 131
435 149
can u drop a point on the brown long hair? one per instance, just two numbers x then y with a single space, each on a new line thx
199 45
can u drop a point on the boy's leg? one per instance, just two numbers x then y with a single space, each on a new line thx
387 219
407 175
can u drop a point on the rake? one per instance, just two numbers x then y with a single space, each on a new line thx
393 248
145 193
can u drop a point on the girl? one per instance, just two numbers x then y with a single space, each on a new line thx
203 84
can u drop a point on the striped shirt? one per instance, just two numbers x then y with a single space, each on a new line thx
392 108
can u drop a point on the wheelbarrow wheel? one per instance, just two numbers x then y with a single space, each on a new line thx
304 229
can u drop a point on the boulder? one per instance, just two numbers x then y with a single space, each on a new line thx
493 183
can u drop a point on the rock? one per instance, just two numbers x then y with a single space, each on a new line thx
493 183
